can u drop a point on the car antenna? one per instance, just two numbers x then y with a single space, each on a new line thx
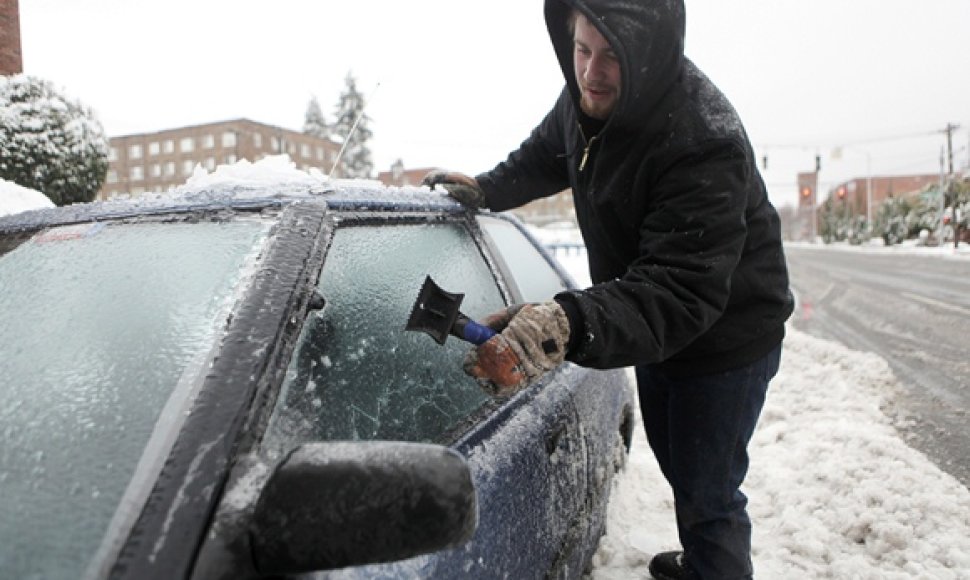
350 133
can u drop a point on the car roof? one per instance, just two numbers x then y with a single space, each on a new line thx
337 195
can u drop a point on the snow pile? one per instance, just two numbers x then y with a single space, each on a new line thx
834 491
273 174
272 170
15 198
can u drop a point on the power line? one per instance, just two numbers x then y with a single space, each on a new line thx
825 143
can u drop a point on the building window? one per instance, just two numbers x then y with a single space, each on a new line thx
137 173
168 146
156 170
210 163
275 145
134 152
187 166
153 148
305 151
112 154
169 168
112 176
257 140
319 153
229 139
187 145
208 142
230 159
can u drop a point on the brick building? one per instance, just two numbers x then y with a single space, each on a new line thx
398 176
163 160
11 59
854 193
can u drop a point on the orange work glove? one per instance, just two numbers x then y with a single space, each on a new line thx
532 341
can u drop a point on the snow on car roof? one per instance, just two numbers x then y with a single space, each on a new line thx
271 181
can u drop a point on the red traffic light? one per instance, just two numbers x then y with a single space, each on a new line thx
840 192
806 191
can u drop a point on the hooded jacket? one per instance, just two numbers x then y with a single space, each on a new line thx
684 247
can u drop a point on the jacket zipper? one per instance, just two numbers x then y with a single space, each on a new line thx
589 144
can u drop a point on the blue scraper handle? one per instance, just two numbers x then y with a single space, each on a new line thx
472 331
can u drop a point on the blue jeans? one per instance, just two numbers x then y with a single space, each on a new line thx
699 429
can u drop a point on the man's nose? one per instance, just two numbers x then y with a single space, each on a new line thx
595 68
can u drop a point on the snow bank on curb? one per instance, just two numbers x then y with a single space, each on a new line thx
834 490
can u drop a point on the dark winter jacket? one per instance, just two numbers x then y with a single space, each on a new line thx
684 247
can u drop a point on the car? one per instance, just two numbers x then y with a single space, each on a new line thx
217 383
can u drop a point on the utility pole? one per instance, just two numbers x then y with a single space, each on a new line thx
950 128
941 225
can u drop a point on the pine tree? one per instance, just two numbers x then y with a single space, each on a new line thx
314 123
356 160
49 142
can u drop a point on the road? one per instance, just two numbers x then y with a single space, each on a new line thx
912 310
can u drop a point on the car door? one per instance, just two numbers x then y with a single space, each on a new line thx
356 374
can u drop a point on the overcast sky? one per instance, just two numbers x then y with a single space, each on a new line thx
462 83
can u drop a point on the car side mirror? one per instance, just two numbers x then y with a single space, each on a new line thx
338 504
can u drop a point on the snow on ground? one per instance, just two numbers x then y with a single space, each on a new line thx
876 246
15 198
834 490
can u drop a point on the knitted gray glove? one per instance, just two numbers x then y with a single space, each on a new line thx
531 342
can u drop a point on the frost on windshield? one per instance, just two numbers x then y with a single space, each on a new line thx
100 322
356 374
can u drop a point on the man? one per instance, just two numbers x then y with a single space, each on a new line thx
690 282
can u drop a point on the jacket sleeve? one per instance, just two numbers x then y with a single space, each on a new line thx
536 169
690 243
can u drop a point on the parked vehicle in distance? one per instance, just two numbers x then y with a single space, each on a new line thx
218 384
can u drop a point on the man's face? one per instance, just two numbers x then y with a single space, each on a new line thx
597 70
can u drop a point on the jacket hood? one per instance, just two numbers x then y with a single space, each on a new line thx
648 39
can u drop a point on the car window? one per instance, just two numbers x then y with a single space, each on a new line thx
356 374
100 322
535 278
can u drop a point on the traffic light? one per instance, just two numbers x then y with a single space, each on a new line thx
806 192
840 192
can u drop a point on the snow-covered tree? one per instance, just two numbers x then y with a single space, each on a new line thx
50 142
356 160
891 220
314 123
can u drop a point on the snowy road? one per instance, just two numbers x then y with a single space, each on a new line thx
913 311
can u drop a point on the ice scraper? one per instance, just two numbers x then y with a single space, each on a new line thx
436 312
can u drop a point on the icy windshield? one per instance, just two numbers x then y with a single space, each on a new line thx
101 324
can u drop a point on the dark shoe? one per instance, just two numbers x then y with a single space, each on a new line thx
670 566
